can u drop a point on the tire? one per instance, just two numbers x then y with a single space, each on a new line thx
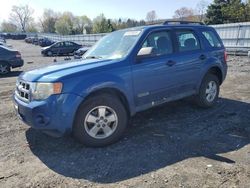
100 120
4 68
207 97
49 53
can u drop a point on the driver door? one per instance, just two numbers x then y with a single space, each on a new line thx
154 76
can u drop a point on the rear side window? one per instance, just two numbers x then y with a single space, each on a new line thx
212 39
187 41
60 44
69 44
160 41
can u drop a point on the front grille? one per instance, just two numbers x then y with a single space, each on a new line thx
23 91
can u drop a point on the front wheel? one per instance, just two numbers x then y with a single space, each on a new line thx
100 121
209 91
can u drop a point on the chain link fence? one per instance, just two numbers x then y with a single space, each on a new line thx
236 37
86 40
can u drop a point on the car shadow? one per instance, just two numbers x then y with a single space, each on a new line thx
11 74
156 138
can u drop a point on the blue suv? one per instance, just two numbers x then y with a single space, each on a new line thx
126 72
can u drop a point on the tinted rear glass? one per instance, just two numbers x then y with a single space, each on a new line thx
212 39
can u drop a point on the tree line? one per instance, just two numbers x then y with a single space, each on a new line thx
217 12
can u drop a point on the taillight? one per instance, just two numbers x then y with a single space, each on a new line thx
225 56
18 55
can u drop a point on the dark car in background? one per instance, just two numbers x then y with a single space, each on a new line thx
28 39
79 53
18 36
43 42
60 48
9 58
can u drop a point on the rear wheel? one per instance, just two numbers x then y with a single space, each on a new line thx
49 53
4 68
100 121
209 91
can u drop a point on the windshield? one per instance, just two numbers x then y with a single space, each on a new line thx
115 45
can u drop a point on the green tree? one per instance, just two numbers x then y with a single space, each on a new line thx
102 25
234 11
214 12
8 27
64 25
82 24
48 21
227 11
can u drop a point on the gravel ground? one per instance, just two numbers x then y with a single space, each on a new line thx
174 145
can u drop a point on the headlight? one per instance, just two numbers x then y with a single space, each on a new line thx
41 90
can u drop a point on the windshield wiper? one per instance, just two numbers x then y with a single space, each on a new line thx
93 57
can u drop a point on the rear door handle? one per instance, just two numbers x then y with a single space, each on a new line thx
203 57
171 63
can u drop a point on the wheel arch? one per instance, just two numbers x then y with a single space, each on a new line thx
114 92
108 90
217 72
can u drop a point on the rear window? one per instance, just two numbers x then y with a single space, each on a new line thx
212 39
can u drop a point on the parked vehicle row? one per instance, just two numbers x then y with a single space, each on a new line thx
14 36
43 42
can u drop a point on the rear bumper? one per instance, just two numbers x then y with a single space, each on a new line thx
224 71
16 63
55 114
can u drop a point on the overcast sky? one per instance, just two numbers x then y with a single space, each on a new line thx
136 9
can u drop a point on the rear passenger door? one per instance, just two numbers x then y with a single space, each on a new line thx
69 47
189 59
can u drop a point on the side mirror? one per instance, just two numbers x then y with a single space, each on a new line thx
145 52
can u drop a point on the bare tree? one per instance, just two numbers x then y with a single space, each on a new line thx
184 13
21 16
201 9
151 16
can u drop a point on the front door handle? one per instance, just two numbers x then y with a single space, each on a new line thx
171 63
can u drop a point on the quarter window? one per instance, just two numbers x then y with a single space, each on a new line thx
212 39
69 44
160 41
187 41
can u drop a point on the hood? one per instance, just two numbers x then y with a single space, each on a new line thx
59 70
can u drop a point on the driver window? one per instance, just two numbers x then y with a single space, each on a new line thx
161 43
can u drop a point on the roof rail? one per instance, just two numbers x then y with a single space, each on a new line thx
181 22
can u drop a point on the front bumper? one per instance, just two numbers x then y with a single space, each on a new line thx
53 114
